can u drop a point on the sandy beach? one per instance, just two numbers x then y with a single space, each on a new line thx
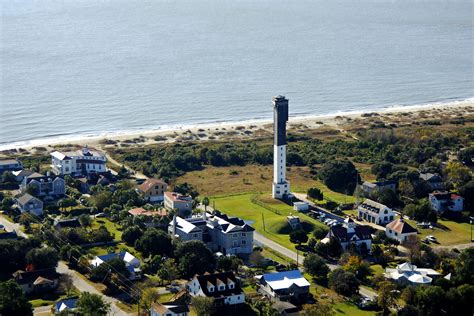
399 116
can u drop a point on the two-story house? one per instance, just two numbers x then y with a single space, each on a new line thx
222 287
79 162
44 185
182 203
401 231
379 186
446 201
351 234
229 235
10 165
153 190
375 212
432 180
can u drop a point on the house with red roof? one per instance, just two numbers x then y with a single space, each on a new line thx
153 190
442 201
401 231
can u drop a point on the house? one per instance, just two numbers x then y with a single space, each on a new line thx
375 212
407 273
294 222
442 201
65 305
131 262
228 235
152 218
351 233
10 165
432 180
401 231
379 186
79 162
223 287
38 281
66 223
153 190
301 206
30 204
284 286
21 174
44 185
182 203
169 309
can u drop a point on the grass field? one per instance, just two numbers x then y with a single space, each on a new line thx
452 234
266 222
111 227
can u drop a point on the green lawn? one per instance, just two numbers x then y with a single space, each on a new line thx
266 222
452 233
347 308
40 302
111 227
332 195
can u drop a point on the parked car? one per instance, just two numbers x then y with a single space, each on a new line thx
431 238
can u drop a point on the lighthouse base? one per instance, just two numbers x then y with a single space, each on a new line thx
280 190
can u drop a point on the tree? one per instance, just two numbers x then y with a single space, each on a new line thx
102 199
343 282
361 269
466 155
464 267
315 193
13 301
229 263
168 270
316 266
205 202
340 176
42 258
467 192
387 296
320 232
458 174
85 220
318 309
154 242
298 236
194 258
92 304
149 295
113 266
204 306
256 258
131 234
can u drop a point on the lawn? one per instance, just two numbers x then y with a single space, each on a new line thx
452 233
111 227
266 222
41 302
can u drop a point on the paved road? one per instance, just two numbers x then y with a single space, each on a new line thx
327 213
81 284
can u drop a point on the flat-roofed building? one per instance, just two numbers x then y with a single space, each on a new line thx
176 201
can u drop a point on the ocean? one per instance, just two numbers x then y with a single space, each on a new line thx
74 68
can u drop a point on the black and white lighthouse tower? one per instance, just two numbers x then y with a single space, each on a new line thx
281 187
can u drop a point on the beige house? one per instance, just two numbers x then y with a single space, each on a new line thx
153 190
182 203
401 231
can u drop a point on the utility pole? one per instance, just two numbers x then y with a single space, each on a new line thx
263 221
471 219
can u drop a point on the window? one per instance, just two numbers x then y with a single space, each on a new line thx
231 286
243 234
244 242
221 287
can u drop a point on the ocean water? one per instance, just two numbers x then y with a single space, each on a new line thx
73 68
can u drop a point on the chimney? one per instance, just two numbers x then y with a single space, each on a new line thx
174 226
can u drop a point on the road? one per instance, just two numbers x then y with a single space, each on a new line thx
81 284
327 213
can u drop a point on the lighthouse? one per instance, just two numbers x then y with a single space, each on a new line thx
281 187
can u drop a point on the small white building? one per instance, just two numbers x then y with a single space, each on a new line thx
182 203
401 231
375 212
446 201
407 273
131 262
223 287
79 162
301 206
30 204
169 309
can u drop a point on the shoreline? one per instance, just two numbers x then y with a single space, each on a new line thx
146 136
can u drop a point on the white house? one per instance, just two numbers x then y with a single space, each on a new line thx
284 285
350 233
30 204
169 309
301 206
407 273
375 212
182 203
223 287
401 231
131 262
446 201
79 162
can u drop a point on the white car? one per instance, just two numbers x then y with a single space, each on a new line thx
431 238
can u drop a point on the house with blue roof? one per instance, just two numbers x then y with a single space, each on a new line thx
131 262
65 305
284 286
